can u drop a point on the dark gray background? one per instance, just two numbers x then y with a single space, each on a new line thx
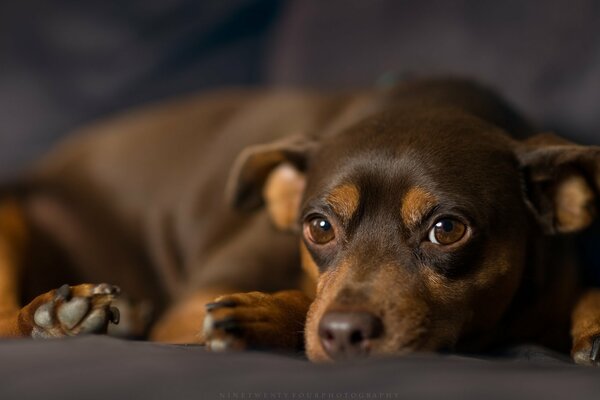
65 62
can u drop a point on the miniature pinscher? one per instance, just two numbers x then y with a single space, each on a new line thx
426 217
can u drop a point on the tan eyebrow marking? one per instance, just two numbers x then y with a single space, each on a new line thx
416 203
344 200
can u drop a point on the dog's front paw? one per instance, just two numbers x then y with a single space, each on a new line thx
253 320
70 311
586 351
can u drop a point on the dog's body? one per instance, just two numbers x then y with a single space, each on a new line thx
139 202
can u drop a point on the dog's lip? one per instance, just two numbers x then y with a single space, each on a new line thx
371 351
378 348
419 342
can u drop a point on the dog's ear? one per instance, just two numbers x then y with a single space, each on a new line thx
271 173
561 182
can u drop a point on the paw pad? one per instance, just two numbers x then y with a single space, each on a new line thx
76 310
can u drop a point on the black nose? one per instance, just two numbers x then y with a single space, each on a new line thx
348 334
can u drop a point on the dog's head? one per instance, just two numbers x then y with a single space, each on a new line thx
416 226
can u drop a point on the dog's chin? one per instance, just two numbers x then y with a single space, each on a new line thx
381 349
320 356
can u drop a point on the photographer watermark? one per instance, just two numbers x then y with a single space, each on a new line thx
307 395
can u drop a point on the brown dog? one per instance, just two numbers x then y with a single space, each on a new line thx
421 224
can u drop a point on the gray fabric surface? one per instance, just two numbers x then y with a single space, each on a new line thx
105 368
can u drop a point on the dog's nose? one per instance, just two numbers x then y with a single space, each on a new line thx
348 334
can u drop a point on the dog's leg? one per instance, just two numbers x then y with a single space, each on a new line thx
256 320
585 329
13 239
237 321
182 323
66 311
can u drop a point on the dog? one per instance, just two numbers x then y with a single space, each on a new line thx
429 216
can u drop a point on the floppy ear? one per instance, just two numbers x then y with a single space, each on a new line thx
273 174
561 182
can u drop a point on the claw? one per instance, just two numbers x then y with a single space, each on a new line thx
114 315
595 351
219 304
229 325
63 293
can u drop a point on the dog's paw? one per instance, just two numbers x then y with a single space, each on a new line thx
252 320
586 351
71 311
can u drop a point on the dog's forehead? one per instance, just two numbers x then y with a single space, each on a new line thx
419 162
435 135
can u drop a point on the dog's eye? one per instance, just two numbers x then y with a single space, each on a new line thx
319 230
447 231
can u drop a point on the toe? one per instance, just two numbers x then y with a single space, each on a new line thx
72 312
595 351
95 322
43 315
106 289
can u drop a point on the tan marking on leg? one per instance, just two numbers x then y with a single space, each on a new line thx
13 240
416 203
344 200
182 323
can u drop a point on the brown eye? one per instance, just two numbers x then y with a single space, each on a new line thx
447 231
319 230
